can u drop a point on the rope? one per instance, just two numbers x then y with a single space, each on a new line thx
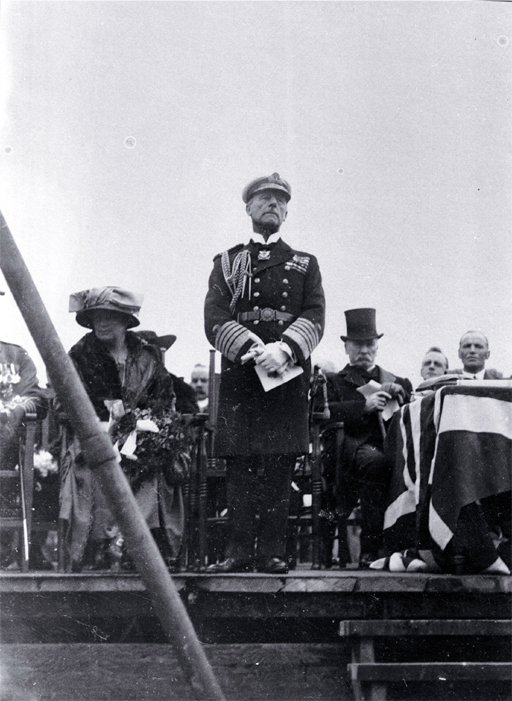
236 277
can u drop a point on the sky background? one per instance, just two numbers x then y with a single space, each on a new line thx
129 129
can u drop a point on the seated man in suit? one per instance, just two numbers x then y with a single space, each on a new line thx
474 351
366 472
199 381
434 364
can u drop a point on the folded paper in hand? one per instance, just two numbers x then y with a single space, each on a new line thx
269 383
370 388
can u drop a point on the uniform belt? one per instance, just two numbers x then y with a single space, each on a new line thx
266 314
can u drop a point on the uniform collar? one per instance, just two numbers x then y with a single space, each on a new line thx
258 238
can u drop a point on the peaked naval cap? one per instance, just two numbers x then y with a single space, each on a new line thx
112 299
361 325
269 182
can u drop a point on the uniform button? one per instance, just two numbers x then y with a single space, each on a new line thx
285 281
256 321
256 294
255 309
283 308
285 294
256 279
280 322
287 267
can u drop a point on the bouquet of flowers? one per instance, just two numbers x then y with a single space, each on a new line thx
168 450
44 463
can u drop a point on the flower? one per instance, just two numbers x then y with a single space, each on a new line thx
168 450
44 463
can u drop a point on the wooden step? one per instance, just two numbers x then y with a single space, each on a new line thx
150 672
398 628
429 671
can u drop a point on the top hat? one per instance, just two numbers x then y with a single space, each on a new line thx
361 325
113 299
269 182
164 342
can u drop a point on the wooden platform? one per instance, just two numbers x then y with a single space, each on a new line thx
269 637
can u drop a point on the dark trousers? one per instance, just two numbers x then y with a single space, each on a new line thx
497 510
369 478
471 549
258 485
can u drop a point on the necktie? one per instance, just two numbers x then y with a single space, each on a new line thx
370 375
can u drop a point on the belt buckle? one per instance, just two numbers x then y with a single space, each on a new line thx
267 314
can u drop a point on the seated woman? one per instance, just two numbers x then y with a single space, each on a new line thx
133 394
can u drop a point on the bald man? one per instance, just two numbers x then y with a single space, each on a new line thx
474 352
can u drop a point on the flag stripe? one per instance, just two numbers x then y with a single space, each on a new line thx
449 449
478 414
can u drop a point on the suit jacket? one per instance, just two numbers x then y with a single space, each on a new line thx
251 421
347 404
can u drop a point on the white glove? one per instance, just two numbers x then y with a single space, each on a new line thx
255 350
274 359
256 339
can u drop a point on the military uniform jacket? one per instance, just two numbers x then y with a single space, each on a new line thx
18 381
347 404
19 392
250 421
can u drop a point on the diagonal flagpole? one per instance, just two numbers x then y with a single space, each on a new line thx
100 457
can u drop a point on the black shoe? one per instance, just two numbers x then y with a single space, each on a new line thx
230 564
365 560
128 566
273 565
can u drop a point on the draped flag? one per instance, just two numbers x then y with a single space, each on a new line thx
449 449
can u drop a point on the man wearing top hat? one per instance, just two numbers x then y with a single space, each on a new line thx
366 472
265 307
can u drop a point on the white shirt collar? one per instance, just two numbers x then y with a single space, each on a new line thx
473 375
273 238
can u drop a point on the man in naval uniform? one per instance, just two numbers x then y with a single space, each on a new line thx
265 308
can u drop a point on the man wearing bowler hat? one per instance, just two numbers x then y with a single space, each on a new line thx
365 469
264 310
